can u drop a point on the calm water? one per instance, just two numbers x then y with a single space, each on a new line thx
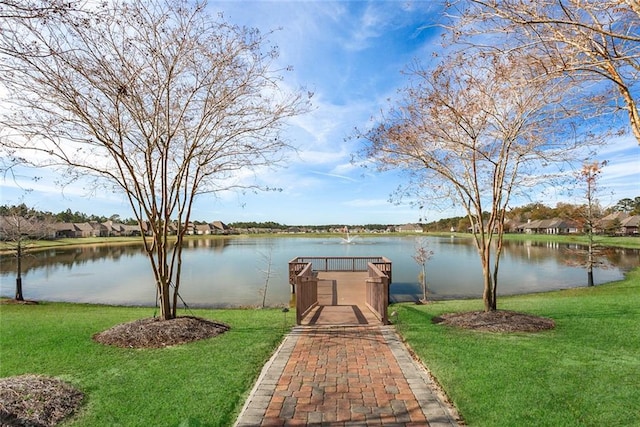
230 272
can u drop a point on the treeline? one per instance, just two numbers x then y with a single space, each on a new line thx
252 224
64 216
532 211
277 226
81 217
536 211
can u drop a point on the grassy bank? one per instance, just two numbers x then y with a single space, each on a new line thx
618 241
583 373
197 384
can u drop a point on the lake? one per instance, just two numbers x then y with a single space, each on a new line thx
230 272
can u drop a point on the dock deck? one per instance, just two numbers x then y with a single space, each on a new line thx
341 300
340 290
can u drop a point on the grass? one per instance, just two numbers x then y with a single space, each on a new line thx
629 242
203 383
585 372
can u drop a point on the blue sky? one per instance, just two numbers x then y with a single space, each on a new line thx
350 54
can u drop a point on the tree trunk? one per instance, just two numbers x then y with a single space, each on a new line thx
165 301
494 290
19 296
591 255
487 296
424 283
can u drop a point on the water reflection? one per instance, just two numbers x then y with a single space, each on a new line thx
229 271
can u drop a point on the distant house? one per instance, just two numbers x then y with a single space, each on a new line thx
130 230
85 229
64 229
15 227
219 227
511 226
630 225
611 223
409 228
111 229
550 226
202 229
108 229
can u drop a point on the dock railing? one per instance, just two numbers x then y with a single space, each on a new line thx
378 292
297 264
307 296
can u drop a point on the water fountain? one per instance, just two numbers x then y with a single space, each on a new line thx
349 239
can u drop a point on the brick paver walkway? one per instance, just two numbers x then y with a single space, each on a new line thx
344 375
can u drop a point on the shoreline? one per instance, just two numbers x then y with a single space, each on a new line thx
8 300
623 242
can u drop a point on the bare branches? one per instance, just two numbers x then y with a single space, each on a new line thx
32 9
476 128
594 41
154 97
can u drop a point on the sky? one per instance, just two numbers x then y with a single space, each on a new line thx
351 54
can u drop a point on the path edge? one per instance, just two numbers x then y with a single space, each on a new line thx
438 411
265 385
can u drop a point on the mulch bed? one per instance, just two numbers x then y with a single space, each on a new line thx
157 333
36 401
18 302
496 321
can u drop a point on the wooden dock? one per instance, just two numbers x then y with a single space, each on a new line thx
341 301
340 290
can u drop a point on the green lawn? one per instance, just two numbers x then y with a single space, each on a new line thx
203 383
585 372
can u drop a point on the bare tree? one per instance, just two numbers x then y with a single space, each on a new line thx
475 129
421 256
34 8
590 40
266 269
588 176
19 229
156 100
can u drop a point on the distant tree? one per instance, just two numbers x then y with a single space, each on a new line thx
421 256
591 40
589 175
630 206
540 211
253 224
267 271
75 217
612 227
376 227
463 225
19 228
473 128
155 99
565 210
